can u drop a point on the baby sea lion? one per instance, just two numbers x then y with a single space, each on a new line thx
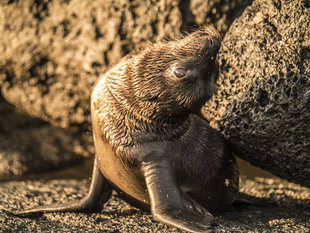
151 143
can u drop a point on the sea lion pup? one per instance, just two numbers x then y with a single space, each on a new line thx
151 143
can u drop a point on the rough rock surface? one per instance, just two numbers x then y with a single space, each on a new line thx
219 13
28 145
263 103
291 215
54 51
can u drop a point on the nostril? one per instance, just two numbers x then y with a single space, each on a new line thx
211 42
215 43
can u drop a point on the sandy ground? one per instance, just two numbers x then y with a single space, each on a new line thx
291 215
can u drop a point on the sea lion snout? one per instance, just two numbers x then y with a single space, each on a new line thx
213 38
213 41
212 46
215 44
200 43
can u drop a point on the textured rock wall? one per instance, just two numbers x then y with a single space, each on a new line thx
263 103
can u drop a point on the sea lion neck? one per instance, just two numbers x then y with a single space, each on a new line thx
142 116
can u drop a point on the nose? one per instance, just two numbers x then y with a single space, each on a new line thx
213 46
215 43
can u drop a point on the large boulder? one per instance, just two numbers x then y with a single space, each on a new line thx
263 103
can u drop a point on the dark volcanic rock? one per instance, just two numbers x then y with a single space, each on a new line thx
219 13
263 103
291 215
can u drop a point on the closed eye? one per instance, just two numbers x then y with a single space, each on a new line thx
180 72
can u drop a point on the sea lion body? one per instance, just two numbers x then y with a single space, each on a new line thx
151 143
150 140
201 159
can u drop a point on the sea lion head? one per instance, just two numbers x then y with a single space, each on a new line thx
167 80
176 77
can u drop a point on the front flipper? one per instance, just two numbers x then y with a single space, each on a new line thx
99 192
169 204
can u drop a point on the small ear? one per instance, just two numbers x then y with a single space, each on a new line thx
149 97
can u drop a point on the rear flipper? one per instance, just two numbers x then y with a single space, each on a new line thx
99 192
243 199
